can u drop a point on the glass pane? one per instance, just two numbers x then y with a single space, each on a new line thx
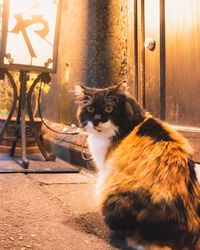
31 32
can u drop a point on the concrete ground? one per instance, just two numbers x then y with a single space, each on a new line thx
51 212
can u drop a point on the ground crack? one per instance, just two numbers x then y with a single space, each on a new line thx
58 183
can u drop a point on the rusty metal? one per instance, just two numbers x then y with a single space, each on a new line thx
44 77
24 106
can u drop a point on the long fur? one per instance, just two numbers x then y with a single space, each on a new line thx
149 192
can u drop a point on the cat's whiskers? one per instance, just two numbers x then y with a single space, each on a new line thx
97 128
83 124
112 98
116 136
87 100
105 96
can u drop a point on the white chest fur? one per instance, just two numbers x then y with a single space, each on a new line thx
100 140
99 143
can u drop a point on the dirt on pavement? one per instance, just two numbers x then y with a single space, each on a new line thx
52 212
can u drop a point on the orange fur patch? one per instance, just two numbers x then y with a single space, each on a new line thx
159 167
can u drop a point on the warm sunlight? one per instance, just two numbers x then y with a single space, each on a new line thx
180 8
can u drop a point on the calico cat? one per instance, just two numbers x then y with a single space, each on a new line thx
149 192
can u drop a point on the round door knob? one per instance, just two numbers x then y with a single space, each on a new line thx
150 43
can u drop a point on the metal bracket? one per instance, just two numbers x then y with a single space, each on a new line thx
24 106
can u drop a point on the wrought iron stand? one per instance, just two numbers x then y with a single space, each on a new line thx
24 106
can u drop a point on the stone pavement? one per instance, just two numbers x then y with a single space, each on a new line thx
52 212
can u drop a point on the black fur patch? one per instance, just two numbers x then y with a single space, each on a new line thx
155 130
121 209
126 116
129 212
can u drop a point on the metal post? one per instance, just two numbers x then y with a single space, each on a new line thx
43 77
23 81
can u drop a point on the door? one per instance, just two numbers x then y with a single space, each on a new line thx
168 72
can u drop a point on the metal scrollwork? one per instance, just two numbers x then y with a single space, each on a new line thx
21 129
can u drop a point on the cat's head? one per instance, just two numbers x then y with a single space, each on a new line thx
108 110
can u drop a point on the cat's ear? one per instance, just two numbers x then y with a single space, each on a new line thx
81 91
78 91
122 86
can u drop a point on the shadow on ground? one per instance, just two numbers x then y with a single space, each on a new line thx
92 223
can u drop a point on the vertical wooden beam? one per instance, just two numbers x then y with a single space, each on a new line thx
132 48
152 57
136 48
141 53
162 62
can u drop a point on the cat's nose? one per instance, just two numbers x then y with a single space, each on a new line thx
97 117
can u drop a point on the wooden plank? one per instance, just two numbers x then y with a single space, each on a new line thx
152 58
132 48
182 62
162 61
141 53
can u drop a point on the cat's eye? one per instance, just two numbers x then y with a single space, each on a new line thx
108 109
90 109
